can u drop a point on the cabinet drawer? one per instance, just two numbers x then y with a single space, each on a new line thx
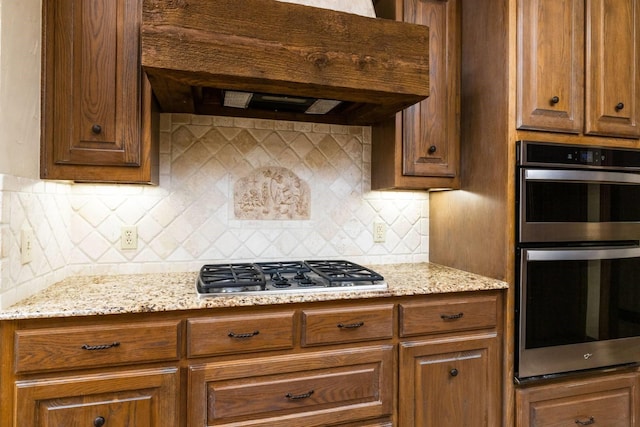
94 346
610 409
448 314
239 334
332 326
604 400
316 389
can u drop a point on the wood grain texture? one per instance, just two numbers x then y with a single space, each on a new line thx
550 64
144 398
612 74
612 400
338 387
334 326
91 80
289 49
402 153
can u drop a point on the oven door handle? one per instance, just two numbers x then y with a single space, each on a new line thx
581 176
581 254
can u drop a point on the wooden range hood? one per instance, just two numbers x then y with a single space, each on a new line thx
194 51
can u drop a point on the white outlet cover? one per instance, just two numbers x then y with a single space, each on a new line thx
129 237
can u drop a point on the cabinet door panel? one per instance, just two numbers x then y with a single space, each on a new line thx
430 128
419 148
142 398
550 65
99 122
95 89
612 68
450 382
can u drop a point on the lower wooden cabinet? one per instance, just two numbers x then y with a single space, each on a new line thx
611 401
315 389
450 382
413 361
139 398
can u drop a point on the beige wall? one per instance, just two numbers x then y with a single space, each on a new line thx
20 87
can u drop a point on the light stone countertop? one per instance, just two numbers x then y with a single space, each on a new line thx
145 293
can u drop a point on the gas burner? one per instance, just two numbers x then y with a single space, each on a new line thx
279 281
286 277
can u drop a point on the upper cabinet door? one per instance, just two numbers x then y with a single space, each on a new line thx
612 68
419 148
550 65
96 120
430 128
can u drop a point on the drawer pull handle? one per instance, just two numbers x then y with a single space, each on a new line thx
454 372
451 316
588 422
619 106
101 346
298 396
350 325
554 100
98 422
248 335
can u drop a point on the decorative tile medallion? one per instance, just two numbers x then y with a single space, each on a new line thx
271 193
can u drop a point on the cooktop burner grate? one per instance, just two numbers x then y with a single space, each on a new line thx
229 276
286 277
343 271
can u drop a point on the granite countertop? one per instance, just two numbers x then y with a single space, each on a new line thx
145 293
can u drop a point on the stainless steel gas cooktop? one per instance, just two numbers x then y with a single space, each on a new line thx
287 277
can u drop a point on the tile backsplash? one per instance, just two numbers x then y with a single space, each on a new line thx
230 189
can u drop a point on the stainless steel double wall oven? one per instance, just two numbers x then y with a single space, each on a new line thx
578 258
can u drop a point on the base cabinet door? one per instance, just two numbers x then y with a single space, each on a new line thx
450 382
145 398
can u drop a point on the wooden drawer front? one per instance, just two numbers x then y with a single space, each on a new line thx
93 346
610 400
331 326
611 409
448 315
239 334
313 389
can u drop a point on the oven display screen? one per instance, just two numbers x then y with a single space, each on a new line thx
586 156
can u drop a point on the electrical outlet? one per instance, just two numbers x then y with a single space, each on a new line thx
129 237
379 232
27 240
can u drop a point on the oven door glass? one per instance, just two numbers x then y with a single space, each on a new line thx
576 205
587 299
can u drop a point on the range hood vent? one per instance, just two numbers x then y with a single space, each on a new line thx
281 61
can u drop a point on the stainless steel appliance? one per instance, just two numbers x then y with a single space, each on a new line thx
578 258
286 277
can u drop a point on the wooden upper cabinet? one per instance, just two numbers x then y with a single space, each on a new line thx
96 118
578 67
419 148
612 68
550 65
